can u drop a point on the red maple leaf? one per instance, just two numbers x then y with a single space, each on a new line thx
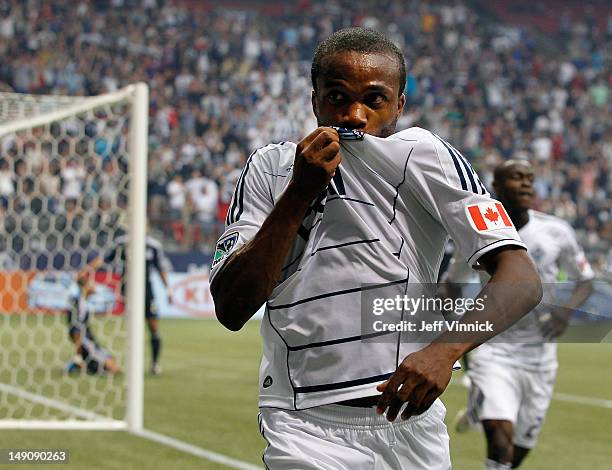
491 215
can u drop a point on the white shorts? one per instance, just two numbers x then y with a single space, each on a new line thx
507 393
334 437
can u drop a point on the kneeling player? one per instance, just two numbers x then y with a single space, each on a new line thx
89 354
512 377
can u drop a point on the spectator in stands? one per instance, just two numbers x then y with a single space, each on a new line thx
7 181
176 192
73 178
206 205
220 88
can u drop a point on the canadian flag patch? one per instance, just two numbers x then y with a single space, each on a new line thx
487 216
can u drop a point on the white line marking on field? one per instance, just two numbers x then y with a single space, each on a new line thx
195 450
53 403
95 421
599 402
565 397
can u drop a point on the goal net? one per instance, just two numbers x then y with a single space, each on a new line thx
72 181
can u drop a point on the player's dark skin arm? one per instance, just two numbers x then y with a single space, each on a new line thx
560 317
513 290
248 277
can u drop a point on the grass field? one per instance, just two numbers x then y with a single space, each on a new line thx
207 396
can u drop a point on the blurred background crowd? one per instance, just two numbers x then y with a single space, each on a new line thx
499 80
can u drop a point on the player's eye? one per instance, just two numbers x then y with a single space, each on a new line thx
335 97
376 100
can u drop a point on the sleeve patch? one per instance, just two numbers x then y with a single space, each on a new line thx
224 247
488 216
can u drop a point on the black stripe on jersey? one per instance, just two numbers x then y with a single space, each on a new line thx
468 168
484 190
267 316
272 174
493 243
399 252
345 384
356 242
230 219
261 431
340 340
241 201
292 262
350 199
299 256
399 333
455 162
470 171
337 179
335 293
398 186
304 232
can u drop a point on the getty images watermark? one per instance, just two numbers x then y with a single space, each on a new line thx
421 313
411 307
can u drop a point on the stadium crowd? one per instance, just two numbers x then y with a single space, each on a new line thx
224 82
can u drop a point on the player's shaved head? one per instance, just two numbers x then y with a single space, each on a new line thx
362 40
501 171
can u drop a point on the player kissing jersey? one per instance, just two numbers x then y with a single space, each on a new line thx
388 197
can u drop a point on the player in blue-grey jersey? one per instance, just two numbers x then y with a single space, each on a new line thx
155 260
89 354
313 226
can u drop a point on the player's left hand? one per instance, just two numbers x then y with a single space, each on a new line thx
419 380
555 324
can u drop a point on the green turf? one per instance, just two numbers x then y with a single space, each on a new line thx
207 396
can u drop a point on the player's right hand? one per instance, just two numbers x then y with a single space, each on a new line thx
316 158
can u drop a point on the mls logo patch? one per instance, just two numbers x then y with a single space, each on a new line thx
488 216
224 248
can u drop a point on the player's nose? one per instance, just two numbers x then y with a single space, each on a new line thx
355 117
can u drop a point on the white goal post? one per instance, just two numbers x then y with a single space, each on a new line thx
73 177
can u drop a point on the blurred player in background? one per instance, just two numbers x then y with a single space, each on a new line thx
512 377
89 353
155 260
304 235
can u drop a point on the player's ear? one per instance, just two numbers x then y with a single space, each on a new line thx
400 104
313 101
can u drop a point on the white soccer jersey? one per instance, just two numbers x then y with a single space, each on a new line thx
552 245
380 226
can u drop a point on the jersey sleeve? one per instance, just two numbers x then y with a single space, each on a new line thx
250 205
117 252
164 264
572 258
449 189
157 260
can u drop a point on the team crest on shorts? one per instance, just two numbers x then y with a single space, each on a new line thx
224 248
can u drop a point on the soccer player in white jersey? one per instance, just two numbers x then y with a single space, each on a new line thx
512 377
313 226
